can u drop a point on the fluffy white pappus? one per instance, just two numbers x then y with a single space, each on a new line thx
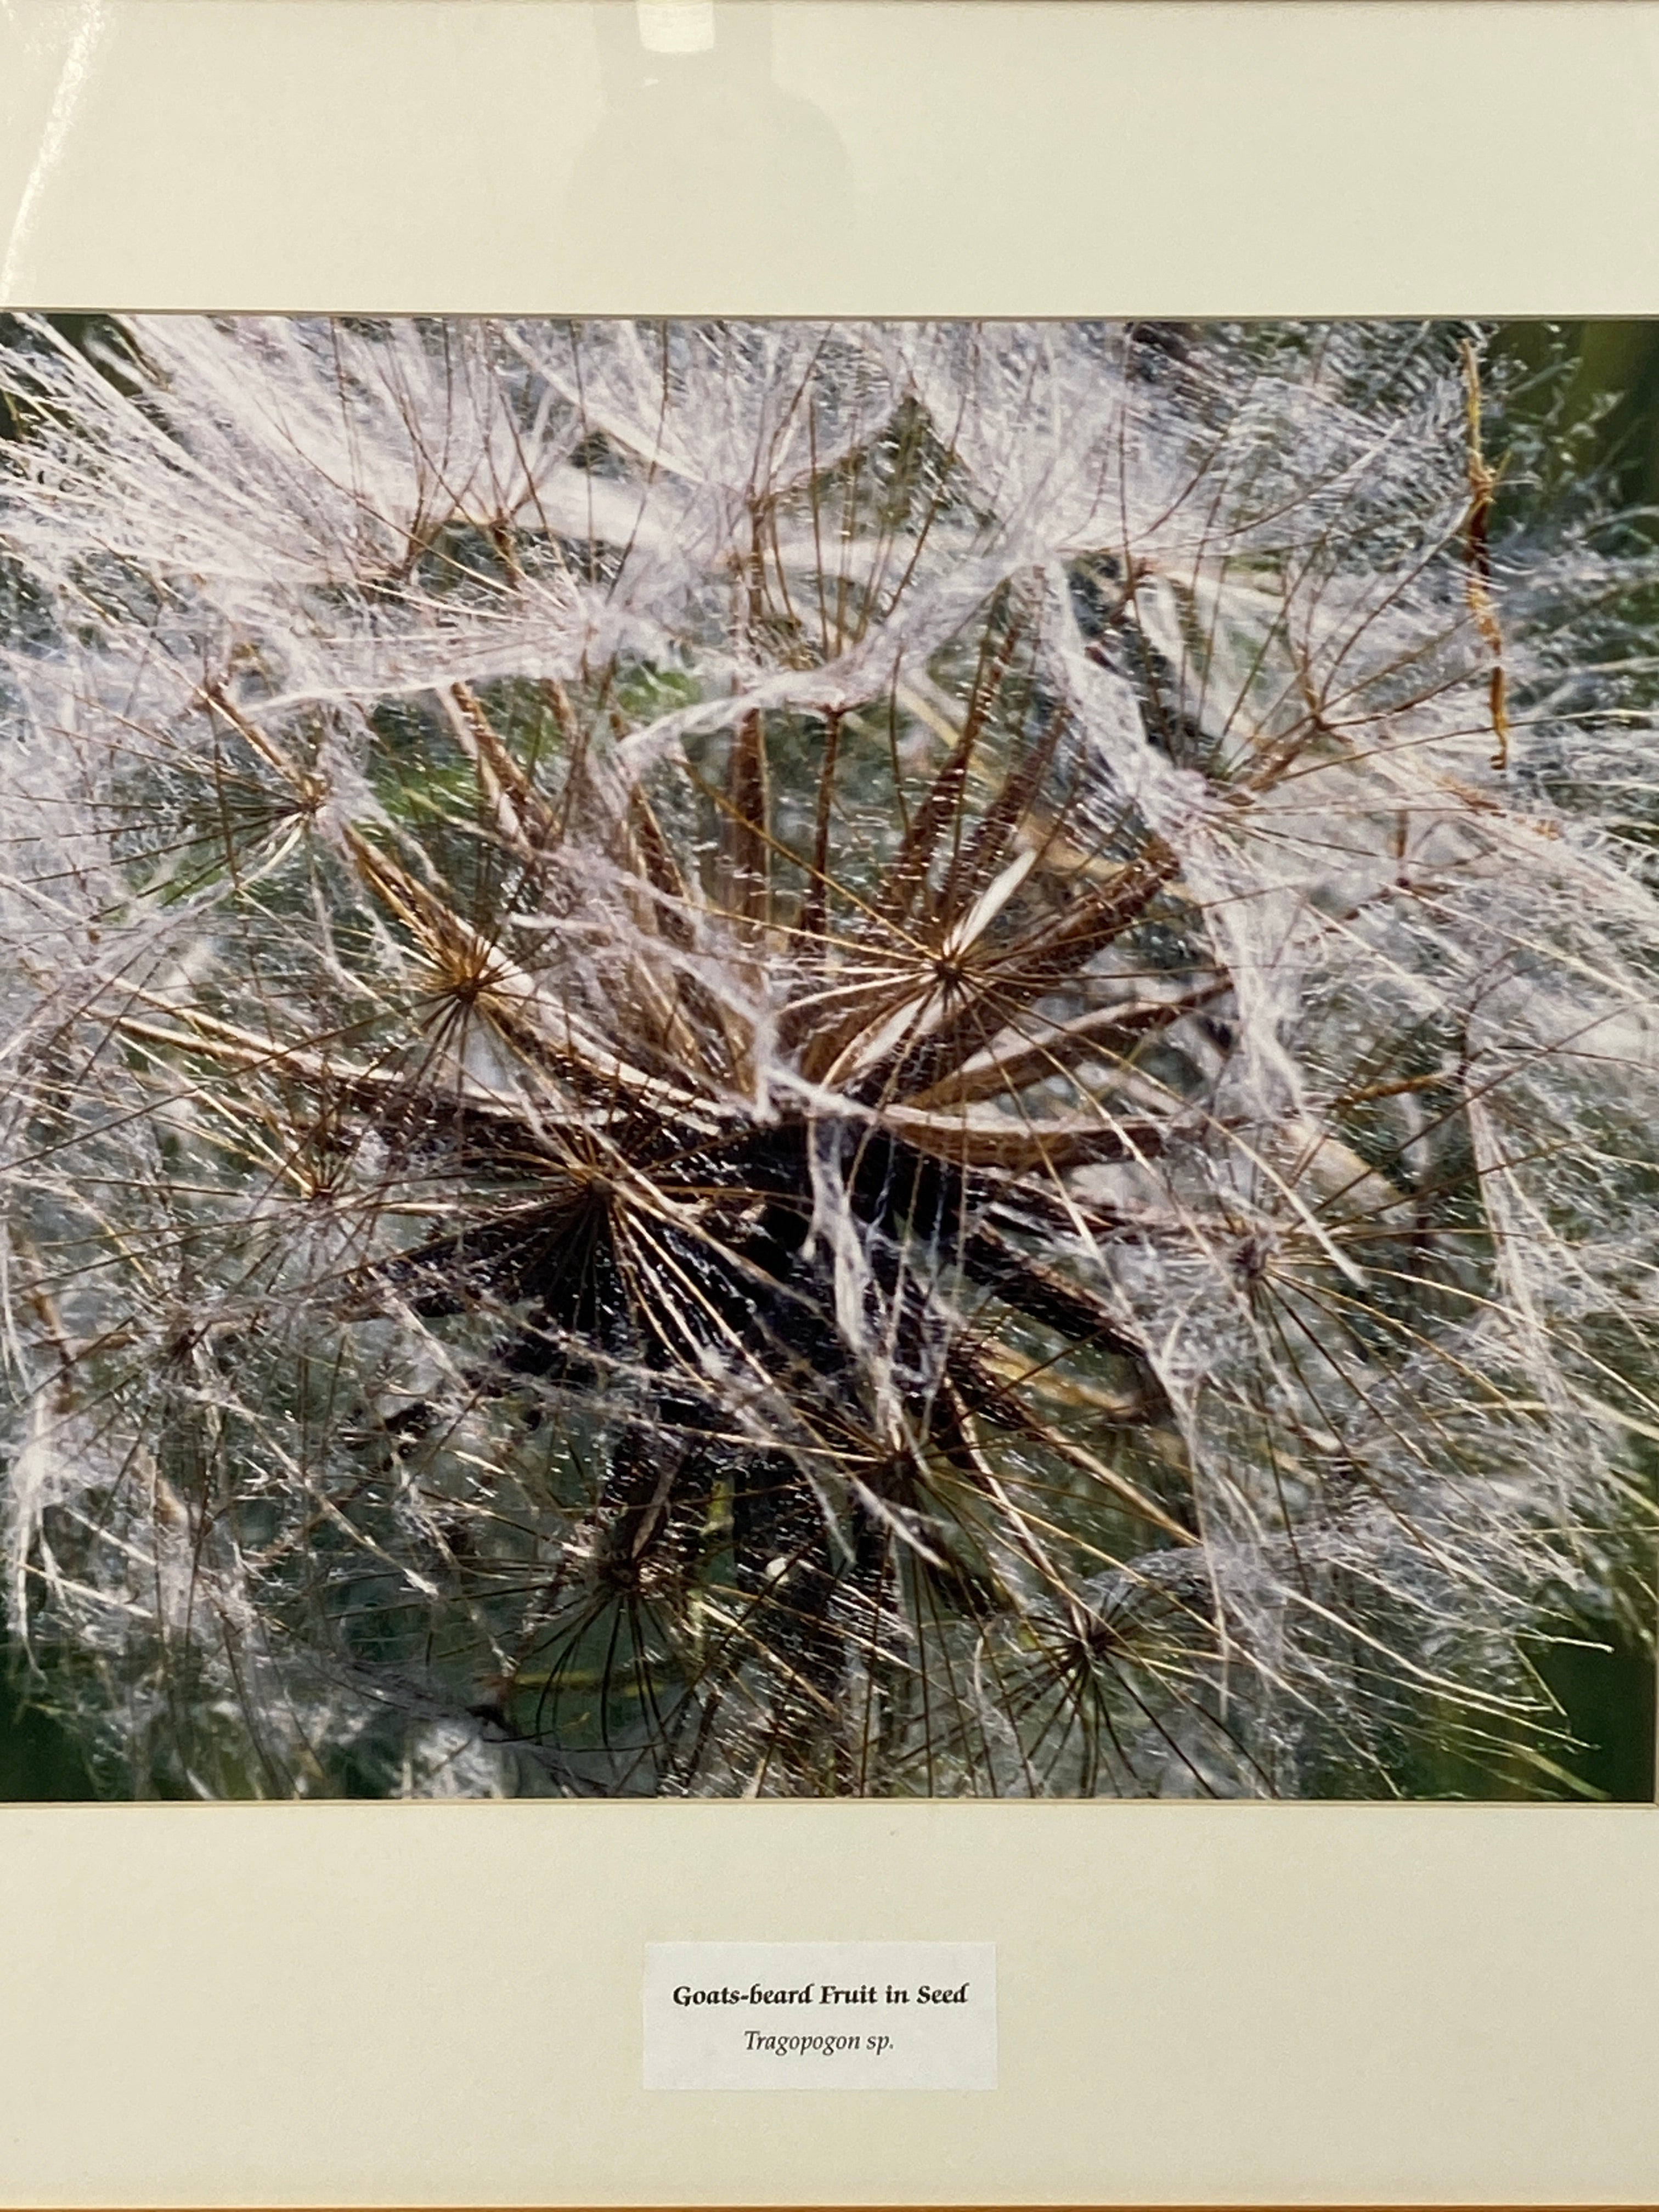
817 1059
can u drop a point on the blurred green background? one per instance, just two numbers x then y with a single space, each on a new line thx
1603 384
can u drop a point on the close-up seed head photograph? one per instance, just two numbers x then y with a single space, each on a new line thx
904 1060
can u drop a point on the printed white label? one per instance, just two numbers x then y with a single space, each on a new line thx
820 2016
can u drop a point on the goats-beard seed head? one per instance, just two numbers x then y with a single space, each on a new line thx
758 1058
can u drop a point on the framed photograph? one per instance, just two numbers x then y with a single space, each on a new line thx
828 1060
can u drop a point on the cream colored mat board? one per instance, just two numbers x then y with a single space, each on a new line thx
441 2004
1007 157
